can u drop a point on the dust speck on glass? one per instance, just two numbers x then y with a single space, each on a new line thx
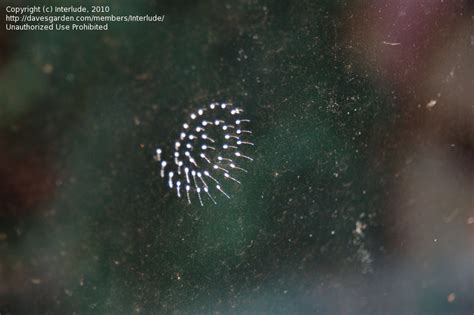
209 151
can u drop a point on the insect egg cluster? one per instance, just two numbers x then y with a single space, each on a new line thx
208 152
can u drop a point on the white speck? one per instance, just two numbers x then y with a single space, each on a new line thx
431 103
360 227
391 43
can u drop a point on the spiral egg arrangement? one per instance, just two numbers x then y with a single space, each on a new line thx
208 152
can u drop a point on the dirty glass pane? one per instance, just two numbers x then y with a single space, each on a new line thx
359 198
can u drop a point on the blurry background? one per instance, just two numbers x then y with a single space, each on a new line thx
360 198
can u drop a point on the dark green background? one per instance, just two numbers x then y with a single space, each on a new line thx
107 237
